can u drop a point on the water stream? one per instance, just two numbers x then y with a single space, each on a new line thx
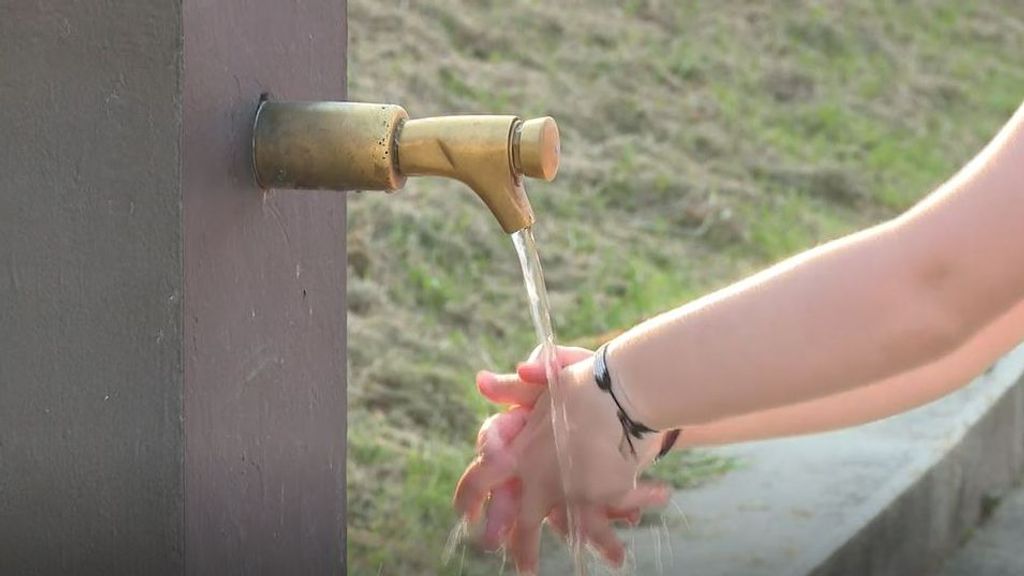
537 295
536 291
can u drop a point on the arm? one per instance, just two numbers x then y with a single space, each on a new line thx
879 303
858 310
873 402
857 406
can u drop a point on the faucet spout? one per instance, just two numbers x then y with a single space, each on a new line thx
354 146
477 151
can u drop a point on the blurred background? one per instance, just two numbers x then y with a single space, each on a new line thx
701 142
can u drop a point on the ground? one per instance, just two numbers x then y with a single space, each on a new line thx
701 141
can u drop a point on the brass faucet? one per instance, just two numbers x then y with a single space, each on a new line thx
357 146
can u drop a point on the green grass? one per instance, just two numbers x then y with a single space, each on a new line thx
701 141
410 490
690 469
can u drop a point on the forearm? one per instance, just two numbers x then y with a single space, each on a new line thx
874 401
855 311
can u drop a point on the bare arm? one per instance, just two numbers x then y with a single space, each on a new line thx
863 309
868 403
858 310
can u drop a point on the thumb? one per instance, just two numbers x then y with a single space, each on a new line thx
508 389
646 495
534 371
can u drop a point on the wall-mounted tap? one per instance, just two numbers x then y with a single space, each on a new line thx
356 146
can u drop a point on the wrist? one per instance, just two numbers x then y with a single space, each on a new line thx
637 442
625 382
667 437
594 414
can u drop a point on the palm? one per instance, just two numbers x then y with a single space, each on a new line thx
517 468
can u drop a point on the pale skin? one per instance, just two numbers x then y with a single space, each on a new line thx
872 402
861 328
878 400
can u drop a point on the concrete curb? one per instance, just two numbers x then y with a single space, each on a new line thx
913 530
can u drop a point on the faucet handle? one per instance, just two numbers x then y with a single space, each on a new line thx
536 148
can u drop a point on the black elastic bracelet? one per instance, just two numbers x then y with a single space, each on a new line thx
630 428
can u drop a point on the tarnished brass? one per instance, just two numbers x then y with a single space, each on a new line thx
327 145
352 146
536 147
476 150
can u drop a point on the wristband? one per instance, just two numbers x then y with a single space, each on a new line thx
630 428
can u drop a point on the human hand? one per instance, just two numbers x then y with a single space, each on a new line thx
518 467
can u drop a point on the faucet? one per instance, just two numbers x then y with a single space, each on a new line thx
360 146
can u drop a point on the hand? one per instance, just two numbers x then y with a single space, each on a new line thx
518 465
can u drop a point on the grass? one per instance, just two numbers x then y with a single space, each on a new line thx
701 141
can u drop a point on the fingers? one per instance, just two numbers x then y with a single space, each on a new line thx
640 498
499 430
567 355
501 515
508 388
559 522
495 465
525 386
598 531
533 370
524 544
630 517
510 423
508 516
525 547
477 481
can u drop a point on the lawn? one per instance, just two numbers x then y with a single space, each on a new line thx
701 141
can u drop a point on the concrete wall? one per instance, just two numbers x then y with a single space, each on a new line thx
172 339
917 530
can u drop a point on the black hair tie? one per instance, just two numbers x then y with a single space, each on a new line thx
630 428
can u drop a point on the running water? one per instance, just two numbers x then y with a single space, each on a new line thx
533 278
537 294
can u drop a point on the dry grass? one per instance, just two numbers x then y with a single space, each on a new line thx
700 140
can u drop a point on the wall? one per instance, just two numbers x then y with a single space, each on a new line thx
264 300
172 340
90 288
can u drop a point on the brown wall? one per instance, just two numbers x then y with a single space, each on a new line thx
90 288
264 311
172 340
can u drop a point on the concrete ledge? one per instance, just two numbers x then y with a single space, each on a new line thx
914 531
892 497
